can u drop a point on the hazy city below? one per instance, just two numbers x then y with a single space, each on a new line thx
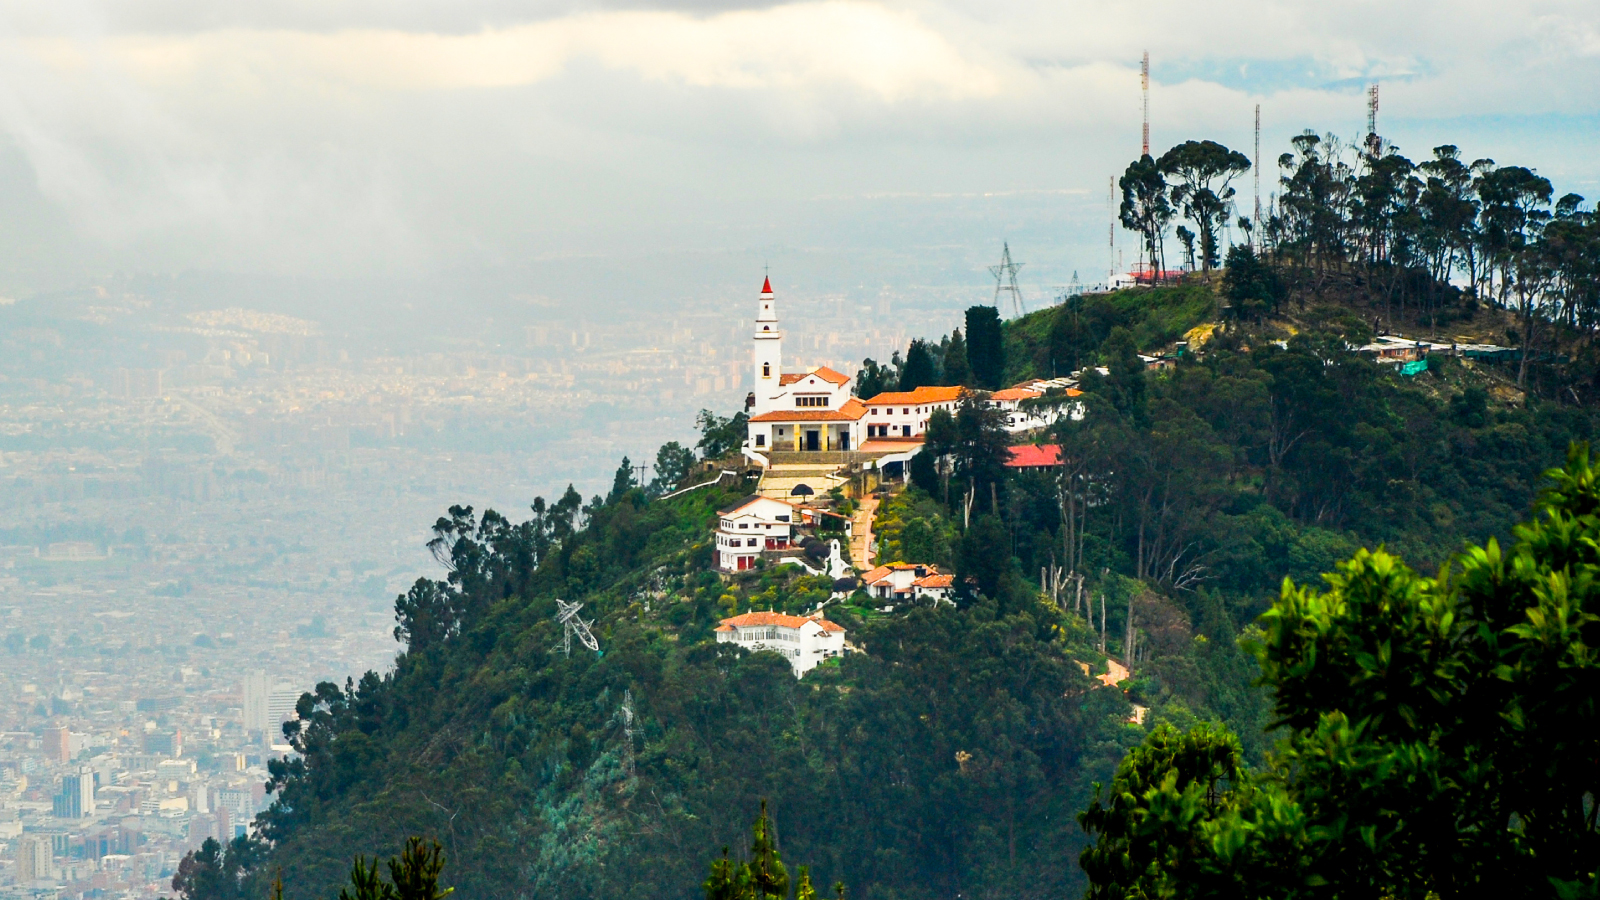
213 504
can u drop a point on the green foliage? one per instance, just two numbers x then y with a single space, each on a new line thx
918 369
763 877
216 871
1252 288
1442 736
720 436
875 378
413 875
1202 171
673 464
1145 206
955 369
1063 339
985 347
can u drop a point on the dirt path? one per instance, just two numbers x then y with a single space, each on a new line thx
861 534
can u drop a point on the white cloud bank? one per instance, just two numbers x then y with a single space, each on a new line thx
412 134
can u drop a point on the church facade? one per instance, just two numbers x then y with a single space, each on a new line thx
807 411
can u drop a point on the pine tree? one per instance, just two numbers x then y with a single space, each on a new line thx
768 877
957 371
918 370
985 349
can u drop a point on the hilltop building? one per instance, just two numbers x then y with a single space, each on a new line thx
906 582
804 640
751 526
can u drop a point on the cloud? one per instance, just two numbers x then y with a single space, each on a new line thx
294 135
886 53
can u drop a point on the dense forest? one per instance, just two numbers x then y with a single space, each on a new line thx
972 750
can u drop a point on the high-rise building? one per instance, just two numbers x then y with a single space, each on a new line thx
76 800
280 709
58 744
256 688
166 743
33 859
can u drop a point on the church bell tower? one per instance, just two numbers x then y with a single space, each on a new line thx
767 354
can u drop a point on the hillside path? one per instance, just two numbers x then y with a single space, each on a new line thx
861 534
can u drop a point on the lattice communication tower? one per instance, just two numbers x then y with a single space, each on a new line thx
1144 85
1373 143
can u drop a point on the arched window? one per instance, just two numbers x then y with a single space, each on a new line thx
766 370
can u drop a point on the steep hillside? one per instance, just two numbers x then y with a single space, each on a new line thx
951 756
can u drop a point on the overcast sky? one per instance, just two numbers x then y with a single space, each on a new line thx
374 137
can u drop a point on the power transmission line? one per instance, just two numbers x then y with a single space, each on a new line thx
567 615
1005 279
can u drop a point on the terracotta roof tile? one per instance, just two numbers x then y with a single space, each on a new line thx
920 395
852 410
775 618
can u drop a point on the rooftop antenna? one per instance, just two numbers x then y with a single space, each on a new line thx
1005 279
1144 83
1372 121
567 615
1256 222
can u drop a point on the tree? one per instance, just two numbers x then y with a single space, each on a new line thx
1145 208
1202 171
426 614
956 372
673 464
984 556
1252 288
216 871
623 481
721 436
413 875
1442 738
918 370
874 379
1186 237
763 876
985 348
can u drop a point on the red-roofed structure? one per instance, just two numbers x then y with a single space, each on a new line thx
1033 456
804 641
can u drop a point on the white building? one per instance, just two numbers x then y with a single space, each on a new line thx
750 526
906 582
1022 416
904 414
805 411
256 690
804 640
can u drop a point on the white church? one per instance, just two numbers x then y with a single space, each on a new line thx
813 410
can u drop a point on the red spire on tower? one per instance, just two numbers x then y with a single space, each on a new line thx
766 285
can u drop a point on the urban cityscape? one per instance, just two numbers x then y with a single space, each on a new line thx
221 505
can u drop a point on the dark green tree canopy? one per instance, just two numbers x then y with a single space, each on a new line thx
985 347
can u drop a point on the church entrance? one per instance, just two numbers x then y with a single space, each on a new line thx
844 440
813 440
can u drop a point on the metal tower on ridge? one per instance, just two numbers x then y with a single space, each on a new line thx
1111 232
1255 224
1005 279
567 615
1144 85
1373 144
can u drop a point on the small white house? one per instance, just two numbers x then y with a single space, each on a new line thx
803 640
904 582
750 526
